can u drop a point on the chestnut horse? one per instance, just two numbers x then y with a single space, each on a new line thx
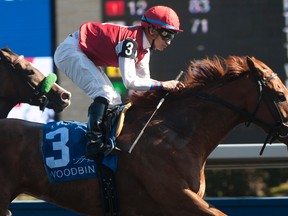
21 82
164 174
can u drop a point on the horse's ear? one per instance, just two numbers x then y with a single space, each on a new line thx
1 54
250 62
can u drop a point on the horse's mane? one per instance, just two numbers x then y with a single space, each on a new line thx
208 71
201 73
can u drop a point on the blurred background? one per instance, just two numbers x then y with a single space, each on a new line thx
224 27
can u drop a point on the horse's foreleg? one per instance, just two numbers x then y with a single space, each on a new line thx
4 204
5 212
173 200
182 202
201 206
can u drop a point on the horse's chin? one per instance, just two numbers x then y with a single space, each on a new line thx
58 108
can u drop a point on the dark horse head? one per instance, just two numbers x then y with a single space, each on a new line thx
21 82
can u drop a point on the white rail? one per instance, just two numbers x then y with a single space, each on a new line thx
247 156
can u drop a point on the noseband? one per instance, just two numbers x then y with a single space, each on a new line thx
278 130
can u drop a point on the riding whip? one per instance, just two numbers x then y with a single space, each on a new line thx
158 106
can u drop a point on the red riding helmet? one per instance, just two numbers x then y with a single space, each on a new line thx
161 17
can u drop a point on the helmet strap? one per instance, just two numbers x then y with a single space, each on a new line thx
152 45
153 40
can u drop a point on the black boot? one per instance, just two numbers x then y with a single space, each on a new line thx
96 145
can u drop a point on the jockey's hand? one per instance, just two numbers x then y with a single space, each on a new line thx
173 85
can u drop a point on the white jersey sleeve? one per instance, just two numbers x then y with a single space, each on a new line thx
135 77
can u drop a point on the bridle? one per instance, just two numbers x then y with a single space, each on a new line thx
277 130
39 97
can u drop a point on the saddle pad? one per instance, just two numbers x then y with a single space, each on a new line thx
63 151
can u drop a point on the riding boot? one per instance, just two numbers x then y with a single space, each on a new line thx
96 145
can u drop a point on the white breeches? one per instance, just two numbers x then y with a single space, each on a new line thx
82 71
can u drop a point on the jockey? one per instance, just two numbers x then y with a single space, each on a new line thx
82 55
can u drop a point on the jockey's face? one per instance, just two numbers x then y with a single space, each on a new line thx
165 34
161 38
160 44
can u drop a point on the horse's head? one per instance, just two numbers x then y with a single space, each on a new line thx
271 106
21 82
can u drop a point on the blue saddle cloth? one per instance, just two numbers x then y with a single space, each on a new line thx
63 151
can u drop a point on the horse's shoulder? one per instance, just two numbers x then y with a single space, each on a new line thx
20 126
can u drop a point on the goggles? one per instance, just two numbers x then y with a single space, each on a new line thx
165 34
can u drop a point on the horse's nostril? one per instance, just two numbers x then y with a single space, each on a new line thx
66 96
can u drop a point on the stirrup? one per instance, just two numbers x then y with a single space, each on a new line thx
93 149
112 146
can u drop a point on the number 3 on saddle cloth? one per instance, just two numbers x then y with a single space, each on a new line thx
64 145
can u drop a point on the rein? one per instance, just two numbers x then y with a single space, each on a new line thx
276 130
18 60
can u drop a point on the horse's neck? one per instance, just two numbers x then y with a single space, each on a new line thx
214 120
205 124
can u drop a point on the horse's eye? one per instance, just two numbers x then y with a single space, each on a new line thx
281 97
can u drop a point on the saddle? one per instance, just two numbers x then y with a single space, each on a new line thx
116 115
